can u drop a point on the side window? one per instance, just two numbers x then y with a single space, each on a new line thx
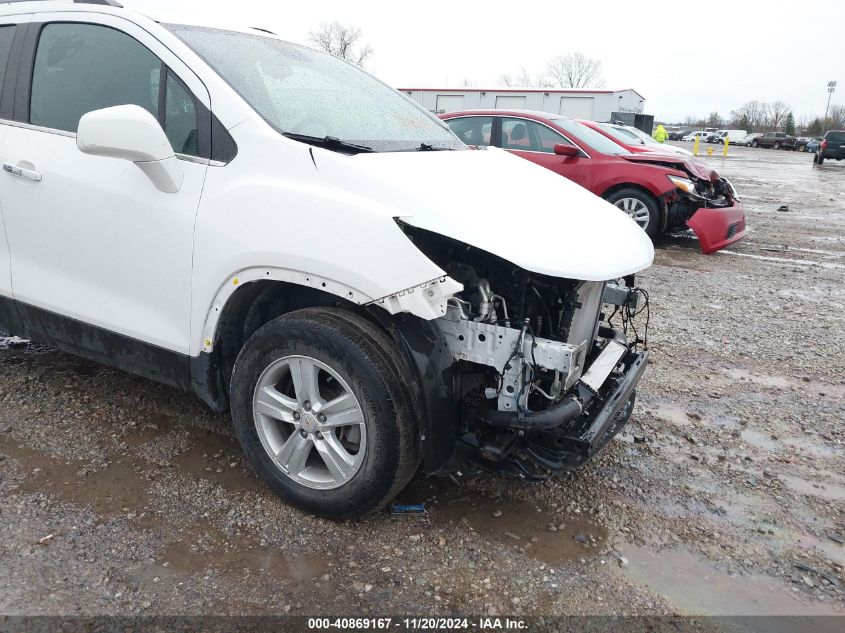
7 34
473 130
529 136
180 117
548 138
84 67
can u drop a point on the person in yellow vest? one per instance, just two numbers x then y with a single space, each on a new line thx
660 134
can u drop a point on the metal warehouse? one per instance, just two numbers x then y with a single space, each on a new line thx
585 103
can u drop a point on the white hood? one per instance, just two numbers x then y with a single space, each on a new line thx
507 206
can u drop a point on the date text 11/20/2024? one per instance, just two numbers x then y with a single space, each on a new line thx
418 624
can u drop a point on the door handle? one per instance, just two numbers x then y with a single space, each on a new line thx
22 172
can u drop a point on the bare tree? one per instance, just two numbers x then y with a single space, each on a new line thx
835 118
341 41
776 112
751 115
523 79
576 70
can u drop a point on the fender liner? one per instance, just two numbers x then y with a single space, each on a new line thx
436 393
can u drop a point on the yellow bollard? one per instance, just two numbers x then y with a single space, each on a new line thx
725 151
695 146
710 150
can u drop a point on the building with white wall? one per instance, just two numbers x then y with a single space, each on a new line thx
584 103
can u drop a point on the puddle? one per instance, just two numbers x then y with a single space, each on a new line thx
804 445
120 485
157 426
773 381
760 440
218 458
210 455
832 487
522 525
674 414
696 587
207 551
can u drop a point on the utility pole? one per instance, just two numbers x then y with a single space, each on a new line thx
831 86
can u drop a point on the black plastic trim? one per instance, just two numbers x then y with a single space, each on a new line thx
103 346
10 320
436 377
10 74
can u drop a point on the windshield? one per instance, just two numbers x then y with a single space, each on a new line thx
644 138
622 135
305 92
596 140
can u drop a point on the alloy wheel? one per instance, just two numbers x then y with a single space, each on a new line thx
636 210
309 422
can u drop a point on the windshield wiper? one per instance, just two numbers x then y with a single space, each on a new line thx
428 147
329 142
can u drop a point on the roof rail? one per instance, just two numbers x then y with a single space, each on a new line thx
110 3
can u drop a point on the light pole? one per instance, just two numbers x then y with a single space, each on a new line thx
831 86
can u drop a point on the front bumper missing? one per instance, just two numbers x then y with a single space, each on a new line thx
717 228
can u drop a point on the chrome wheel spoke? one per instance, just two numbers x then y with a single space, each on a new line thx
294 453
342 411
636 210
335 456
271 403
303 373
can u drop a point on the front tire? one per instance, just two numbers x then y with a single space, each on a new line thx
640 207
323 414
755 144
776 145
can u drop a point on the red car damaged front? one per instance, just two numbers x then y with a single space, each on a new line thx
700 199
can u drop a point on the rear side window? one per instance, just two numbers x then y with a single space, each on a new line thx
7 34
473 130
84 67
838 137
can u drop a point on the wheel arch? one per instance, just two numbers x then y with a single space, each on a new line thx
422 352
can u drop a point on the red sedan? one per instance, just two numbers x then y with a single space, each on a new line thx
659 191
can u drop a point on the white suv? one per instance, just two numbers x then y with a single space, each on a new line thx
292 240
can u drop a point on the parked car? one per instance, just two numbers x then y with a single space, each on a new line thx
734 136
801 143
679 135
812 145
199 207
633 139
701 135
748 141
774 140
660 191
832 146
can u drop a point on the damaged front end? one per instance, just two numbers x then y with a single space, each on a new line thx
709 206
542 378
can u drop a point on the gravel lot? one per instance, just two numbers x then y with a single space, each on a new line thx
725 495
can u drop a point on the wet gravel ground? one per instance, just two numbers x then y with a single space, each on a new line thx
725 495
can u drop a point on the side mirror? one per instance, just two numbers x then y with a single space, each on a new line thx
562 149
131 133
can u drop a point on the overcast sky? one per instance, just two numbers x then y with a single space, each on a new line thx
686 58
